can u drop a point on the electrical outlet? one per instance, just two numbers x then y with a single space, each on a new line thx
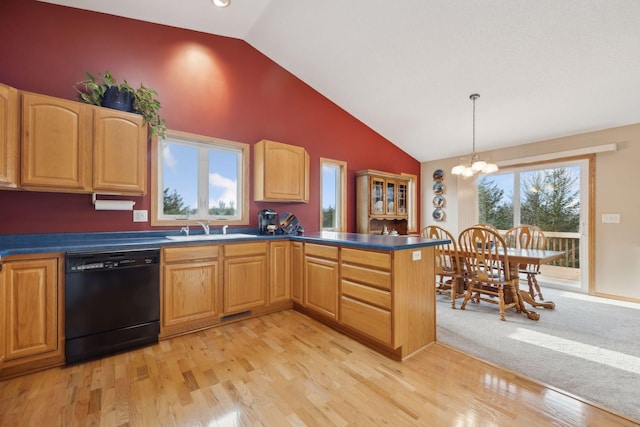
140 216
611 218
416 255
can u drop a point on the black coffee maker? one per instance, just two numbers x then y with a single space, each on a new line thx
267 221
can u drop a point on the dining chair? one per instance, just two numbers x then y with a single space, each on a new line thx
488 276
527 237
489 226
449 271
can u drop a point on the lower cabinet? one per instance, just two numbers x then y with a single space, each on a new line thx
31 311
297 272
321 276
365 298
190 296
279 271
246 277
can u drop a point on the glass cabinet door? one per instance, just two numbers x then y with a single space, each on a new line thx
391 197
402 198
377 196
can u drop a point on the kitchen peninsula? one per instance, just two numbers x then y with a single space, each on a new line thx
376 289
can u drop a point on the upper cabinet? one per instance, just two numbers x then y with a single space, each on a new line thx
53 144
281 172
56 144
382 202
9 135
119 152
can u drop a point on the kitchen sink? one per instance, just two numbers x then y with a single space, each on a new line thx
195 237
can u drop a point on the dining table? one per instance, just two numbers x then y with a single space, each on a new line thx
519 256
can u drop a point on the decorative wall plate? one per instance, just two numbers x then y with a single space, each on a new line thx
438 188
438 201
438 174
438 214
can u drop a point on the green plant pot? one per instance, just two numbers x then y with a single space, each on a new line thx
117 99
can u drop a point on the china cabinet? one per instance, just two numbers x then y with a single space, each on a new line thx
382 202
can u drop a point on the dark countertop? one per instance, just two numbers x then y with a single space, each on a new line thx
18 244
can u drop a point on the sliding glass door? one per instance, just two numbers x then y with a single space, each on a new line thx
553 196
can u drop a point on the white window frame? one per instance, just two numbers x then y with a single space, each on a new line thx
340 193
204 144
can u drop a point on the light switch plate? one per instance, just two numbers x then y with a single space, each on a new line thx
140 216
611 218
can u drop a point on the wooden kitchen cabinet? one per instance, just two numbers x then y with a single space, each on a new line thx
297 272
56 144
365 299
69 146
119 152
381 201
9 135
190 293
245 277
281 172
321 279
32 311
279 271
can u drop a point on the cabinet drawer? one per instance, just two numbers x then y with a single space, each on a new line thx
377 278
183 253
322 251
241 249
367 294
379 260
367 319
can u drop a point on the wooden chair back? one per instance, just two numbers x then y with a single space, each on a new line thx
487 268
448 266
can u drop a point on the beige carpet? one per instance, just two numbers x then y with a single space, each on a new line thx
587 346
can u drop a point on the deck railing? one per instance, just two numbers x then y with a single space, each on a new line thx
567 242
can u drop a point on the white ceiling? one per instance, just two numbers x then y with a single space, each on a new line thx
543 68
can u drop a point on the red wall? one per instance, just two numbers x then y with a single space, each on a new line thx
209 85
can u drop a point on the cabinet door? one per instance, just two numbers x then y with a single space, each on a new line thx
56 144
190 292
280 277
119 152
321 286
281 172
31 307
9 131
245 283
377 196
3 311
402 207
390 205
297 271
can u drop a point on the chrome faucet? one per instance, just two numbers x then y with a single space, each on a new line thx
224 229
185 229
205 226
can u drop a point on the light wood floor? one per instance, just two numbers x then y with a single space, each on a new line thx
285 369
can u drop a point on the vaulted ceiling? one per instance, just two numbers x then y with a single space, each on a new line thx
543 68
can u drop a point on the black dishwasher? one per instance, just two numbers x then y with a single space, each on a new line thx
112 302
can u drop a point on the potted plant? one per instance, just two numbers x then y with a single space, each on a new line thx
106 91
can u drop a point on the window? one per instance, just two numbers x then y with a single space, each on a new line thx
204 178
333 195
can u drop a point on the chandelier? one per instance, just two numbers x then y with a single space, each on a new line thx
475 165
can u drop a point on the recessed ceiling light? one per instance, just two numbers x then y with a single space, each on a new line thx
221 3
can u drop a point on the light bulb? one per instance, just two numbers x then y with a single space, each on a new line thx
221 3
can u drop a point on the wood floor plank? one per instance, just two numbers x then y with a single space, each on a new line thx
286 369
